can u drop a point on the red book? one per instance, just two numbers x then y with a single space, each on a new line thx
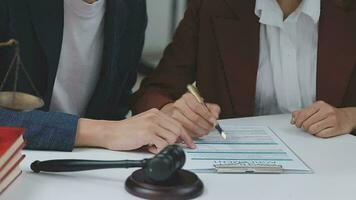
11 141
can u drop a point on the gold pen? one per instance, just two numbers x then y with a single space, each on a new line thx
195 92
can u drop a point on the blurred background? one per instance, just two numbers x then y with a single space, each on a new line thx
163 19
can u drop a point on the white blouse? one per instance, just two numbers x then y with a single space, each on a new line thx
286 79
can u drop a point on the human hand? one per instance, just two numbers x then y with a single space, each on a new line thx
324 120
194 117
152 128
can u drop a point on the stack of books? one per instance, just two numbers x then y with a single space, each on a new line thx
11 144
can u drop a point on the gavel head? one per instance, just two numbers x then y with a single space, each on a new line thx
165 164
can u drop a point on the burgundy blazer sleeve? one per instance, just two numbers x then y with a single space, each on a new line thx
350 97
176 69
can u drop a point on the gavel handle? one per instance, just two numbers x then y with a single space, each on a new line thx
83 165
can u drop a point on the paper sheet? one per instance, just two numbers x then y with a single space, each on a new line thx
246 144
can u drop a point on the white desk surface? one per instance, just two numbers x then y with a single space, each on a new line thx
332 160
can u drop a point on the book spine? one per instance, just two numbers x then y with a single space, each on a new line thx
11 169
12 181
13 155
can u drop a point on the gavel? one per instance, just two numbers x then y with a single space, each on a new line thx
161 167
161 177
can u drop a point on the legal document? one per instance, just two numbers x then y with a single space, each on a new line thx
251 146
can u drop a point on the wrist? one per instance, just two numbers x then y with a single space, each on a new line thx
90 133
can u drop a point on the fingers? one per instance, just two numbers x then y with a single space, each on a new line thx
198 108
322 120
319 126
168 129
153 149
192 128
169 136
174 127
193 116
304 114
326 133
312 124
188 140
157 144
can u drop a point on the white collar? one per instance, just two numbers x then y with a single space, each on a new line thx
270 13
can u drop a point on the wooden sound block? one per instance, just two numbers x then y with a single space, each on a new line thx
184 185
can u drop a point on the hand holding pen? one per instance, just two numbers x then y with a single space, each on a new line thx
195 92
195 117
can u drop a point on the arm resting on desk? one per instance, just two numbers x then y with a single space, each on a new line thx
44 130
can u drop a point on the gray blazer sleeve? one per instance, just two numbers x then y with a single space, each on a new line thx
44 130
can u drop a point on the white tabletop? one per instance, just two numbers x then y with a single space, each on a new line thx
332 160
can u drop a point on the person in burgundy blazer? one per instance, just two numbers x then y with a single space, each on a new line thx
217 46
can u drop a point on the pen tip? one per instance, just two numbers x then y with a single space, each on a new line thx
223 135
